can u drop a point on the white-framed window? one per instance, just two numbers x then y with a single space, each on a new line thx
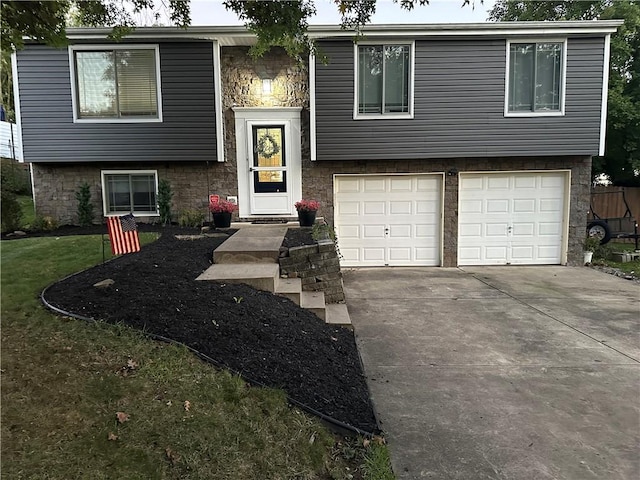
384 77
536 77
130 191
116 83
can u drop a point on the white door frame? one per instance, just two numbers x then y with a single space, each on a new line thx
245 119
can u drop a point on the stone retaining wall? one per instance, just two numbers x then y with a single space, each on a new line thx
318 266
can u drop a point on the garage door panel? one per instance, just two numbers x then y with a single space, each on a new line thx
373 208
348 186
373 185
521 217
399 219
400 207
373 231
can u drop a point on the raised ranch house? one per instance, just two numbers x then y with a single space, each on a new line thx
426 144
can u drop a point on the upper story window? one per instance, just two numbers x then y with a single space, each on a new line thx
116 84
384 81
535 78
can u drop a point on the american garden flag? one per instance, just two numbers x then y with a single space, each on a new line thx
123 233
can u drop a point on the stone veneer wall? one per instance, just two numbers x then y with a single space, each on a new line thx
317 182
318 268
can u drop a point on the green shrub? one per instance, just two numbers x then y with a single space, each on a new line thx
11 211
164 201
190 218
15 178
44 224
85 207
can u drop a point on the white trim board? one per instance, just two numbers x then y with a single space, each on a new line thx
16 102
605 93
217 86
312 107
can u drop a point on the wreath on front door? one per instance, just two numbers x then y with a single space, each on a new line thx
267 146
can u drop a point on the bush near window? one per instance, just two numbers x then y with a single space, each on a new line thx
165 194
85 207
190 218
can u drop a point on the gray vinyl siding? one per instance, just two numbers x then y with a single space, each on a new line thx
458 106
187 132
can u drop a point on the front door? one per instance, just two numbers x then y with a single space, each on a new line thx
268 173
268 148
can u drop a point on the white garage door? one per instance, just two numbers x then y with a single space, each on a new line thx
388 219
512 218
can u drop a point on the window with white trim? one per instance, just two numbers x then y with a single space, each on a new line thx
384 79
130 192
535 77
117 83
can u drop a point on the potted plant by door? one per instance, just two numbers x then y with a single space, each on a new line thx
590 246
222 211
307 212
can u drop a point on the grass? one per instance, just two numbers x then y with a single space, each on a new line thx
64 380
602 257
28 212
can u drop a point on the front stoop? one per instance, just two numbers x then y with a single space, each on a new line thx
251 257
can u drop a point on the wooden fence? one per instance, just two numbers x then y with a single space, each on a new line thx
607 202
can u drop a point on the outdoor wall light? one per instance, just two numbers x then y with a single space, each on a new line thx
266 85
452 172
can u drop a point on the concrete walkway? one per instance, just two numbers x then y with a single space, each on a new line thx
502 373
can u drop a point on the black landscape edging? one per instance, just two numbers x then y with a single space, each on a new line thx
334 424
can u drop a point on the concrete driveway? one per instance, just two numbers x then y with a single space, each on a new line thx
502 372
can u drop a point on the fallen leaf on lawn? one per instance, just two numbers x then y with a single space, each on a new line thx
313 438
131 364
366 442
171 455
122 417
187 405
169 403
379 440
112 436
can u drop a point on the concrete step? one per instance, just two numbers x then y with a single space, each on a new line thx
290 288
246 249
262 276
314 302
337 314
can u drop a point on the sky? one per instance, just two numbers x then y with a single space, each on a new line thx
212 12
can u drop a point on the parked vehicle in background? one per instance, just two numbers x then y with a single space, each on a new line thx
606 228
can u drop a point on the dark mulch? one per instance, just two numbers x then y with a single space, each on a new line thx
265 337
67 230
296 237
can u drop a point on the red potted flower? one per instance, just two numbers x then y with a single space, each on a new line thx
222 211
307 212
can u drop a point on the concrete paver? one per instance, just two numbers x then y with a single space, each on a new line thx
502 373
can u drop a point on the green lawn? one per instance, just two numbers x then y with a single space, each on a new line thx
64 380
28 213
602 257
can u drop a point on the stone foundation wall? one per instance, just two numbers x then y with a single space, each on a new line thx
318 267
192 182
317 183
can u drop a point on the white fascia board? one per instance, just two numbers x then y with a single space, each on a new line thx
605 92
217 86
16 102
230 35
312 106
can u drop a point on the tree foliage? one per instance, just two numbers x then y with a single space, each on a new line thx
622 149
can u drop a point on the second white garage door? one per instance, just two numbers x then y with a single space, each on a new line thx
390 220
516 218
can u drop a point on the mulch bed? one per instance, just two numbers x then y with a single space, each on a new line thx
268 339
